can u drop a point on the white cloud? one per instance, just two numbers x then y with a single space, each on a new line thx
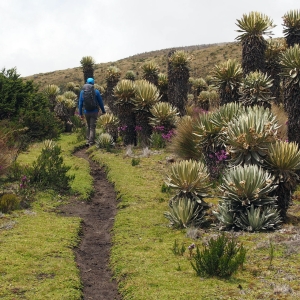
42 36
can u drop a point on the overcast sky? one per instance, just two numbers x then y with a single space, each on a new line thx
39 36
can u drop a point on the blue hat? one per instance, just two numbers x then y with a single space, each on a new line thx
90 80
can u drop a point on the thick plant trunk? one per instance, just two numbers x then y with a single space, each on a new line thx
292 99
144 129
109 97
293 39
88 73
253 54
273 69
127 123
228 95
178 79
152 78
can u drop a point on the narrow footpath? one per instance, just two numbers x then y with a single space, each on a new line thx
92 254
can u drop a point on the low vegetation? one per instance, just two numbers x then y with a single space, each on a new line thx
193 147
36 242
142 234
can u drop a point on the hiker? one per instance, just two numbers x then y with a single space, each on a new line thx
90 99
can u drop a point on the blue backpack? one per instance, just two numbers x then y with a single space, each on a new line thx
89 97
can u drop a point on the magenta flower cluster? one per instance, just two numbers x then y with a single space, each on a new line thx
24 181
168 135
122 128
138 128
220 155
159 128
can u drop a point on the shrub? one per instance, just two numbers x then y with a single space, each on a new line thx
14 93
135 161
41 122
49 171
221 257
9 202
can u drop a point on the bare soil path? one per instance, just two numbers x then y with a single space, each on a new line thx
92 254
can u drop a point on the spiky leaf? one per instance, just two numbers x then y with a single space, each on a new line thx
185 212
248 136
254 24
244 186
189 176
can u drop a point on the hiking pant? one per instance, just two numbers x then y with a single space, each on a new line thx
91 120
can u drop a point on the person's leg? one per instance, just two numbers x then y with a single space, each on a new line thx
88 121
93 122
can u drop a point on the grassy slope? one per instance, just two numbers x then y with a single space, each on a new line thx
145 264
204 59
36 247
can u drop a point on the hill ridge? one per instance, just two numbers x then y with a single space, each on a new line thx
205 57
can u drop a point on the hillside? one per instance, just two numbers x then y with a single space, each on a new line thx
204 59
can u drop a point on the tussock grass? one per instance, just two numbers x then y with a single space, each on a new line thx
282 118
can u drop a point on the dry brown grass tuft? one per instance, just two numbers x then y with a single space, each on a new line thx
281 115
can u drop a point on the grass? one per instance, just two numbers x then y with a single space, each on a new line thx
37 257
36 244
142 256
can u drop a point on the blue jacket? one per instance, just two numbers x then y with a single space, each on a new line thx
98 99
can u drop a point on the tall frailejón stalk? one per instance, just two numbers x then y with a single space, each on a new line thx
227 77
87 64
150 72
112 77
290 63
291 23
252 27
178 77
146 95
124 92
273 67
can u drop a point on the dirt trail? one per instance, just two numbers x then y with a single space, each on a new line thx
92 254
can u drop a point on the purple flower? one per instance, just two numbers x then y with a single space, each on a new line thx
159 128
168 135
221 155
138 128
122 128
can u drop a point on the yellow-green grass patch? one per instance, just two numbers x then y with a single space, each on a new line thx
142 256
